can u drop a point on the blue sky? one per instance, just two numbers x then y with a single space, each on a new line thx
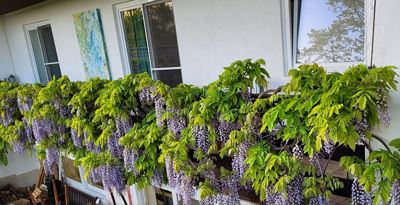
314 15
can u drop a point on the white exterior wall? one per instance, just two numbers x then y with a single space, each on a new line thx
6 67
212 34
387 52
19 165
59 15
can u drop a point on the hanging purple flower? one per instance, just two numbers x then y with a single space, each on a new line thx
113 178
52 159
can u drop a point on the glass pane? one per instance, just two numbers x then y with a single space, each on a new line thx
37 52
70 170
163 35
163 197
135 38
169 77
331 31
47 43
53 71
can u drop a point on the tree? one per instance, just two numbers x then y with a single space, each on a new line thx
343 40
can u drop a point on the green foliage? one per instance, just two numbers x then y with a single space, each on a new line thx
145 137
378 175
314 108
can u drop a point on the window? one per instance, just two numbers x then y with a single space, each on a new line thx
43 52
149 40
70 170
326 32
74 176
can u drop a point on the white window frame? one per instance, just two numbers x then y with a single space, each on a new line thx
290 43
135 4
84 184
30 27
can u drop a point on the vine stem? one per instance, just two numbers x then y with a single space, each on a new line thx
330 157
272 91
382 142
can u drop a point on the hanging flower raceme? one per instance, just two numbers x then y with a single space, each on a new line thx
113 177
51 160
358 194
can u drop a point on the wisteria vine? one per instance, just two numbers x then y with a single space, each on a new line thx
220 139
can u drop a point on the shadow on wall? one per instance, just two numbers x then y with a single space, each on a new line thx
22 180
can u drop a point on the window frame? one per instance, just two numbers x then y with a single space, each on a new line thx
289 26
84 184
35 26
138 4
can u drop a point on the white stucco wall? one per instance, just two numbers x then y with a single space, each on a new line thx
59 15
6 67
387 52
212 34
18 164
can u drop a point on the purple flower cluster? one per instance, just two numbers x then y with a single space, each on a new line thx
76 140
96 174
42 128
395 194
159 104
358 194
328 147
65 112
295 191
52 159
227 189
91 145
297 151
18 147
315 160
113 177
176 123
24 105
28 130
185 189
201 135
157 178
319 200
362 125
169 167
238 165
123 125
146 95
255 126
383 108
7 118
113 146
130 156
274 198
225 128
181 183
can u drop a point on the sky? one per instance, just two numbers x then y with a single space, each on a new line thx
314 15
